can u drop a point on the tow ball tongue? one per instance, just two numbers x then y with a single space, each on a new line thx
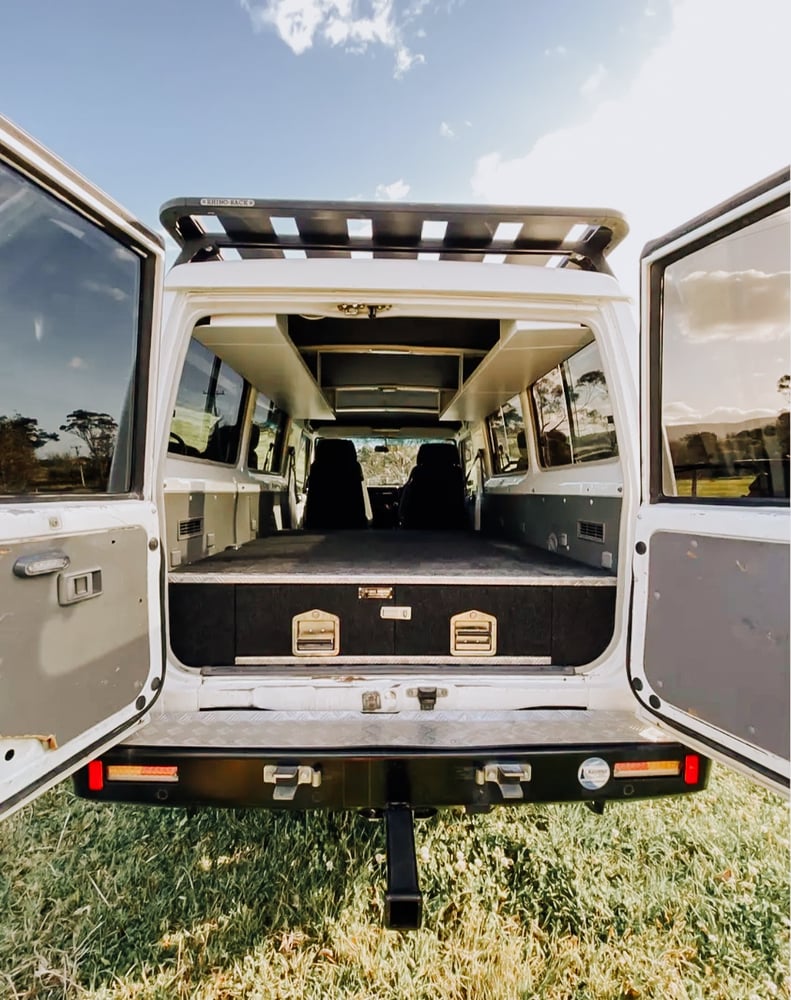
403 900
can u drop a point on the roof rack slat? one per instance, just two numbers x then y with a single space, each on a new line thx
396 230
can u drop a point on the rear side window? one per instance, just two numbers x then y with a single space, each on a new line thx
507 437
302 462
207 420
725 366
267 436
573 412
69 328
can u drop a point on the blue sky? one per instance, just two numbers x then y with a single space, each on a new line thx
659 108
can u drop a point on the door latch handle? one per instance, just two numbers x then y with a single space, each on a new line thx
79 586
41 563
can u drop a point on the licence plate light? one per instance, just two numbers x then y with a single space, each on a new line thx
646 768
143 772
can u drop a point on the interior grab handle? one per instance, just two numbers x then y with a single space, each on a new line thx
41 563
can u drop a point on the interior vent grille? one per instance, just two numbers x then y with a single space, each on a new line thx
191 527
591 531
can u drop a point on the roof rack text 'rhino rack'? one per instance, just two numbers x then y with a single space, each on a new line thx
213 228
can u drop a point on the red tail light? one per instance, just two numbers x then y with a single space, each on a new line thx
95 776
691 769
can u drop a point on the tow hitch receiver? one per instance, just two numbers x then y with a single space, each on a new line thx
403 900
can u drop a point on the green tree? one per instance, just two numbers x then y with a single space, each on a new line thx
20 438
98 431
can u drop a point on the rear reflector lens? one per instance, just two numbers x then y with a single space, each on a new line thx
646 768
95 776
691 769
143 772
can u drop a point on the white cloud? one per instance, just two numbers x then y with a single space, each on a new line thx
557 50
354 25
396 191
446 131
680 414
78 363
704 305
109 291
405 60
705 116
592 85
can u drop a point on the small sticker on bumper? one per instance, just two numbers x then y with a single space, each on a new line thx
593 773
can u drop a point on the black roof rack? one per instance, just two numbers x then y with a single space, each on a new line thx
205 227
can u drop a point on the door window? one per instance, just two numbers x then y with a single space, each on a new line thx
302 462
573 411
69 326
507 435
268 436
725 366
207 421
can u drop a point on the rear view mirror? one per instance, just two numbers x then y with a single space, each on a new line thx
382 448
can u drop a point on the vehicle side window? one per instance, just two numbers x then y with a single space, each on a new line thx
573 412
207 421
69 327
302 463
507 437
267 436
725 366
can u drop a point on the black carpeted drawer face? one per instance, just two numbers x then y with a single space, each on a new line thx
212 624
524 617
264 613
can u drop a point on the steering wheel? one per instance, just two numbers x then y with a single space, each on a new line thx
182 447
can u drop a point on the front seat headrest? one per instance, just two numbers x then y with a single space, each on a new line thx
438 453
339 451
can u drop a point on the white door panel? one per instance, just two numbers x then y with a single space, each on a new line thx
710 627
80 561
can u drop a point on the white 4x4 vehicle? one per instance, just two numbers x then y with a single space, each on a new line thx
566 578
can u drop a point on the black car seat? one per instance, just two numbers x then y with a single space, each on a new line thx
335 490
434 494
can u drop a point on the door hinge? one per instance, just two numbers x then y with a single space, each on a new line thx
288 777
508 778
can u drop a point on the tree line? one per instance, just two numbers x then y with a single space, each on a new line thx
22 470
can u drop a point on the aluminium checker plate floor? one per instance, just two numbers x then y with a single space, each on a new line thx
283 731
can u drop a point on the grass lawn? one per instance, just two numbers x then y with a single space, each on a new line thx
673 899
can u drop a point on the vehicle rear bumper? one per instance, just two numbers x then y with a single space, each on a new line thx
422 759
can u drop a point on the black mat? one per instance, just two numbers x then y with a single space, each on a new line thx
449 554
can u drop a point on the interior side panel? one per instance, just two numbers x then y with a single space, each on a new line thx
247 518
589 524
273 511
199 523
